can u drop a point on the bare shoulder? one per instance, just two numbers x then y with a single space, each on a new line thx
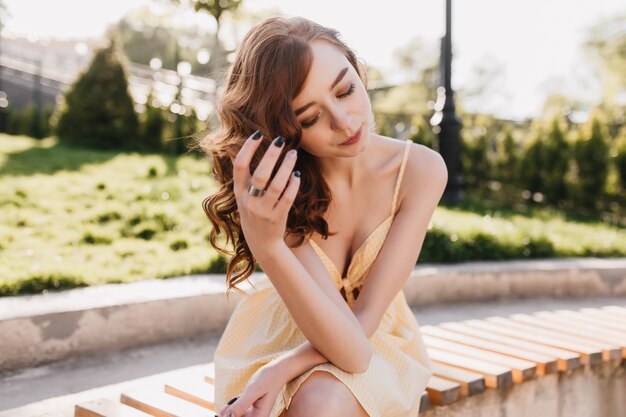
426 174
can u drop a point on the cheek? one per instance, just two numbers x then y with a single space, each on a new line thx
311 139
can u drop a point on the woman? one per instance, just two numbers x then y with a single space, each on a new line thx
316 197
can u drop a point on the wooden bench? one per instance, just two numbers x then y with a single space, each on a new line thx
469 358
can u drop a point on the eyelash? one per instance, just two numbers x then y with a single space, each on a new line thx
340 96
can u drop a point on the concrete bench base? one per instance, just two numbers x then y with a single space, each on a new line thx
590 391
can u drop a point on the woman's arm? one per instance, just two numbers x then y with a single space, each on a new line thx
300 359
328 329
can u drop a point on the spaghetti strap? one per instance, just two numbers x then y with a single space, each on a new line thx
400 174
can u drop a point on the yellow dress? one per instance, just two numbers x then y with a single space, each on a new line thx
261 328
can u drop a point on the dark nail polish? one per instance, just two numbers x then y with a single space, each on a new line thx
257 135
232 400
279 141
297 173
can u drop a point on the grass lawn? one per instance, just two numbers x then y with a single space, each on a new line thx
73 217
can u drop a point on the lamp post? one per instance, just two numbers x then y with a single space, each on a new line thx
446 124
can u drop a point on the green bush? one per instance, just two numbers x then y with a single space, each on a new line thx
30 121
98 111
441 247
41 282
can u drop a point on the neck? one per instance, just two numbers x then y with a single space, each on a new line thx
345 173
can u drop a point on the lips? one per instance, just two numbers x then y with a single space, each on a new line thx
354 137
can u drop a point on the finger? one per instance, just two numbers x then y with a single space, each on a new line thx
279 182
241 163
286 201
239 405
227 406
263 172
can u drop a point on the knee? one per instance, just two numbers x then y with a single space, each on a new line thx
320 395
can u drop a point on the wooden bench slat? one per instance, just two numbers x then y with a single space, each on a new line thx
442 391
578 327
159 404
602 314
566 359
599 316
542 362
209 373
106 408
601 323
587 355
607 351
522 370
471 383
496 376
195 390
617 310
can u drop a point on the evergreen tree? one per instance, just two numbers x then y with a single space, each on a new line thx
152 127
98 111
507 158
556 157
475 157
531 164
591 154
620 158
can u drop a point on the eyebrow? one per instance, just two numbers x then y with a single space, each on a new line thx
339 77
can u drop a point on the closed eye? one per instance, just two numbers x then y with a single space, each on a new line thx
309 123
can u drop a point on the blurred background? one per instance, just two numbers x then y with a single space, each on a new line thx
100 103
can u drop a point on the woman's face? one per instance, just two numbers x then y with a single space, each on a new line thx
333 105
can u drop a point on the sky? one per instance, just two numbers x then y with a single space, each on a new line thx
536 44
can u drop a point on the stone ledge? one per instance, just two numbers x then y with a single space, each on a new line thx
42 328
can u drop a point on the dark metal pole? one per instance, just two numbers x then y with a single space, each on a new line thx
446 124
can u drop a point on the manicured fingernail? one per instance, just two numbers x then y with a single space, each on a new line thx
279 141
292 154
232 400
257 135
296 173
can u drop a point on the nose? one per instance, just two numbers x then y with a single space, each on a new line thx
341 120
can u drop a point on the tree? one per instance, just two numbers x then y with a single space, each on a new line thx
507 158
556 156
215 8
620 158
591 153
98 111
531 164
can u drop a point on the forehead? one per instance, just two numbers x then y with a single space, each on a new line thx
327 61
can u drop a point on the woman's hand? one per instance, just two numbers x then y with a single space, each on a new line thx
264 217
257 399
